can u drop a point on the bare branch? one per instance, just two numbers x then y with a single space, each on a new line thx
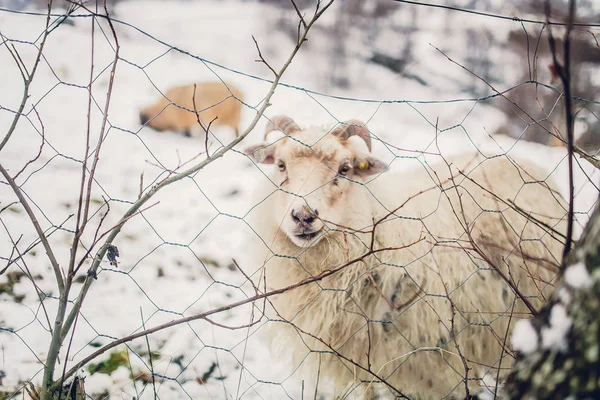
141 185
7 206
101 138
301 21
39 150
207 128
17 190
490 15
38 291
453 338
149 356
564 72
103 235
595 38
37 242
299 14
529 216
262 58
15 55
506 334
59 334
28 81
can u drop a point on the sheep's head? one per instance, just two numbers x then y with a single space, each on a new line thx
319 174
163 116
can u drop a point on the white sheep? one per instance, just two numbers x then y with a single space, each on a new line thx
434 249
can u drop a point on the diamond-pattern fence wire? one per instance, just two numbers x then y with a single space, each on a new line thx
176 246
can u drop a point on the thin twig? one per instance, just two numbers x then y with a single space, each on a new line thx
7 206
141 185
528 55
79 227
564 72
262 59
149 355
38 291
64 369
453 338
510 317
55 266
17 58
101 138
28 80
102 218
37 242
299 14
301 21
207 128
529 216
63 326
206 131
104 234
39 150
595 38
490 15
318 378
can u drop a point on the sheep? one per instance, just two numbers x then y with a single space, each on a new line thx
411 270
175 110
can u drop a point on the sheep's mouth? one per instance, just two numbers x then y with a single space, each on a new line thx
308 236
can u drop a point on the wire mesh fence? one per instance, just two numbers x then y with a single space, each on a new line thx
380 240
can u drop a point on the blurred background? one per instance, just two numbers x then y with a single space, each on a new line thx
396 41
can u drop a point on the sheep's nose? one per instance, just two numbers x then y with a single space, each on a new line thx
304 216
143 118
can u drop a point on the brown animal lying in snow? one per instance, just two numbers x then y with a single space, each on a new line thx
175 111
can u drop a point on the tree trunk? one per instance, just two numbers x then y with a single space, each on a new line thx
564 363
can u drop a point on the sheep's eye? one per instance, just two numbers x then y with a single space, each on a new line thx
281 166
344 169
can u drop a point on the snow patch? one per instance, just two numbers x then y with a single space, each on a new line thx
490 388
554 337
524 337
577 276
564 296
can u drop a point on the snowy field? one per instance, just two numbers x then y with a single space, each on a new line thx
176 256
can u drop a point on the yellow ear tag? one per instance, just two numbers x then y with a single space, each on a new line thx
363 165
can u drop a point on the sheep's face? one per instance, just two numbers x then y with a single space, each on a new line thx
160 116
318 174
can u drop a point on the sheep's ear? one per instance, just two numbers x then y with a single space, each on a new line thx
368 166
263 153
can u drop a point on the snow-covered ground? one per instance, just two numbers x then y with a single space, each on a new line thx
175 258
